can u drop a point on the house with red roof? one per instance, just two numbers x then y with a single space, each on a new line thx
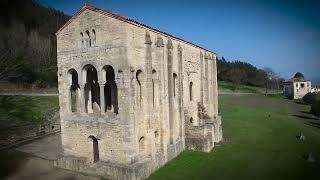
296 88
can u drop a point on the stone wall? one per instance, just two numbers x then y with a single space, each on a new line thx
153 76
16 135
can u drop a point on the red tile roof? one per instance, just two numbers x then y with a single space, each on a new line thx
295 80
128 20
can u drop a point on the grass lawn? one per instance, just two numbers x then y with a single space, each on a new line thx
19 110
260 143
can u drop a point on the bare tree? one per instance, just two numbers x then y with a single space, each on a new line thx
269 76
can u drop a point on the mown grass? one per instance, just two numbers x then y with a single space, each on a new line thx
20 110
260 143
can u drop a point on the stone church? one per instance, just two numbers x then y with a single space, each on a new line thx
131 96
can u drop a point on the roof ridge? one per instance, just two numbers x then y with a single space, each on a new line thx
128 20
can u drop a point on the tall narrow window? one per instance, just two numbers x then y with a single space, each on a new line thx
95 148
74 91
111 90
94 37
174 84
82 40
155 88
139 89
88 39
92 89
190 91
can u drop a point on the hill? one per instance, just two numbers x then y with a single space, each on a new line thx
28 44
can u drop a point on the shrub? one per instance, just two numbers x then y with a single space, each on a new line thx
315 108
309 98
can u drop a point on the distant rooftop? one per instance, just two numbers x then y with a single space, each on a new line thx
295 80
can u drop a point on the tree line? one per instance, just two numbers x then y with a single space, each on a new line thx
28 49
243 73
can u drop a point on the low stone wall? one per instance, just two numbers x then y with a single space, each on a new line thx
16 135
108 170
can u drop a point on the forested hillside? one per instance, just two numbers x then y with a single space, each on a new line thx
239 72
28 49
28 43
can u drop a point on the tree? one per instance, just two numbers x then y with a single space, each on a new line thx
9 67
299 75
270 76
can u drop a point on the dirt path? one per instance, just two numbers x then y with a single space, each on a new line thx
38 165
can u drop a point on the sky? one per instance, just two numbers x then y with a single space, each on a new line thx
281 34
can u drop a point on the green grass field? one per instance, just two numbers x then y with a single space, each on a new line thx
19 110
260 143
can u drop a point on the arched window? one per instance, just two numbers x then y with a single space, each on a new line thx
190 91
175 81
93 37
139 77
111 90
82 39
191 120
92 89
141 144
155 88
88 39
74 90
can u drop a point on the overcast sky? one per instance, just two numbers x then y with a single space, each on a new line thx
280 34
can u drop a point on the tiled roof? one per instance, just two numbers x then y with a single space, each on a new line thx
295 80
128 20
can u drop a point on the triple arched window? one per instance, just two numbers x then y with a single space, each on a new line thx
88 38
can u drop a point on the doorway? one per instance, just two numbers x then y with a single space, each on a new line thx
95 146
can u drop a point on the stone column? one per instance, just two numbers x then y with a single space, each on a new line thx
170 90
102 101
69 95
83 98
201 77
148 76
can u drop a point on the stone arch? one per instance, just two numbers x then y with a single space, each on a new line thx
91 88
95 148
142 144
74 90
190 91
139 91
110 89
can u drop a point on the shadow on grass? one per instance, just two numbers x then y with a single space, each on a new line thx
313 124
305 117
301 103
306 112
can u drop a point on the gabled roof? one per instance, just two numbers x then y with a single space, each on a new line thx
295 80
128 20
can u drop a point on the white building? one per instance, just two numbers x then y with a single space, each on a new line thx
296 88
315 89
